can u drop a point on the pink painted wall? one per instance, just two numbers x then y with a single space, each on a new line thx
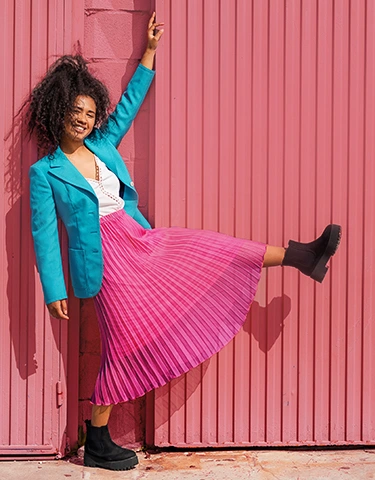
268 133
115 40
36 351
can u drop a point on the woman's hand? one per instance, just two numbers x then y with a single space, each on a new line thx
152 42
59 309
152 39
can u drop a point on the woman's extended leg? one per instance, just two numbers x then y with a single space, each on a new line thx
274 256
309 258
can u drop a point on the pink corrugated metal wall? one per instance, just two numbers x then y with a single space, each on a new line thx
34 353
265 119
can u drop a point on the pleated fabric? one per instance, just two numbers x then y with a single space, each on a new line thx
170 299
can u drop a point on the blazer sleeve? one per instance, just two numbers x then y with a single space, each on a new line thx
119 122
46 237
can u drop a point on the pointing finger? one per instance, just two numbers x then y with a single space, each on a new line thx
151 21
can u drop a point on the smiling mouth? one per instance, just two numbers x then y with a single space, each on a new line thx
79 129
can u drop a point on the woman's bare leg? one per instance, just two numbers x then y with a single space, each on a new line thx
274 256
100 415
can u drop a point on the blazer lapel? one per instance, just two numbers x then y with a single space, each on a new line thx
108 155
104 154
61 167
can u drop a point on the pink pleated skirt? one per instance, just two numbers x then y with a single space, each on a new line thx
170 299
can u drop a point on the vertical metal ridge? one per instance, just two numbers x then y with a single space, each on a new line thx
369 222
315 314
30 393
10 203
251 147
188 82
2 201
333 23
300 409
203 125
170 159
355 182
266 237
25 254
219 89
347 218
194 189
364 217
283 336
314 300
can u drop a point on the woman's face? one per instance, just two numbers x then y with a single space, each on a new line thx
79 124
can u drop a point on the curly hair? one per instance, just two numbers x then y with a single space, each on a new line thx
54 96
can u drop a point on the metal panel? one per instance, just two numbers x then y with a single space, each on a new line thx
265 131
34 347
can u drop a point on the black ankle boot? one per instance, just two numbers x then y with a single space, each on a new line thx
311 258
101 451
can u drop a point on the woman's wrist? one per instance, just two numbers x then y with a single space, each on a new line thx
148 58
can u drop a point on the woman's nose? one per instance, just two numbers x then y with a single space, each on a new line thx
80 118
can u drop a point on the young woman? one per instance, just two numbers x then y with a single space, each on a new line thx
166 298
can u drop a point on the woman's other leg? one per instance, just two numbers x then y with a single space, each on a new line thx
100 449
100 415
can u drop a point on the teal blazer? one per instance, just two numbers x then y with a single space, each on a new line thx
59 190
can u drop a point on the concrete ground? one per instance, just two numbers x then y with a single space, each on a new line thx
213 465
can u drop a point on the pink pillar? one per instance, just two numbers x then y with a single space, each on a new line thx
115 39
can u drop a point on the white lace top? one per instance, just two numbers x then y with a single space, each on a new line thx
107 189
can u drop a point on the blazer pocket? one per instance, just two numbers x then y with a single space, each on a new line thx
77 268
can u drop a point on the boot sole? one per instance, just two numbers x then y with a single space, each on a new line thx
127 464
333 243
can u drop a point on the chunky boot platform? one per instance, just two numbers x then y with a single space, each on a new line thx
311 258
101 451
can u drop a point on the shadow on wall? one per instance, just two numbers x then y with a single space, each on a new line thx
21 288
265 324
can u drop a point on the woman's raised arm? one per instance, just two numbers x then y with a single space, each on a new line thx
152 42
120 120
